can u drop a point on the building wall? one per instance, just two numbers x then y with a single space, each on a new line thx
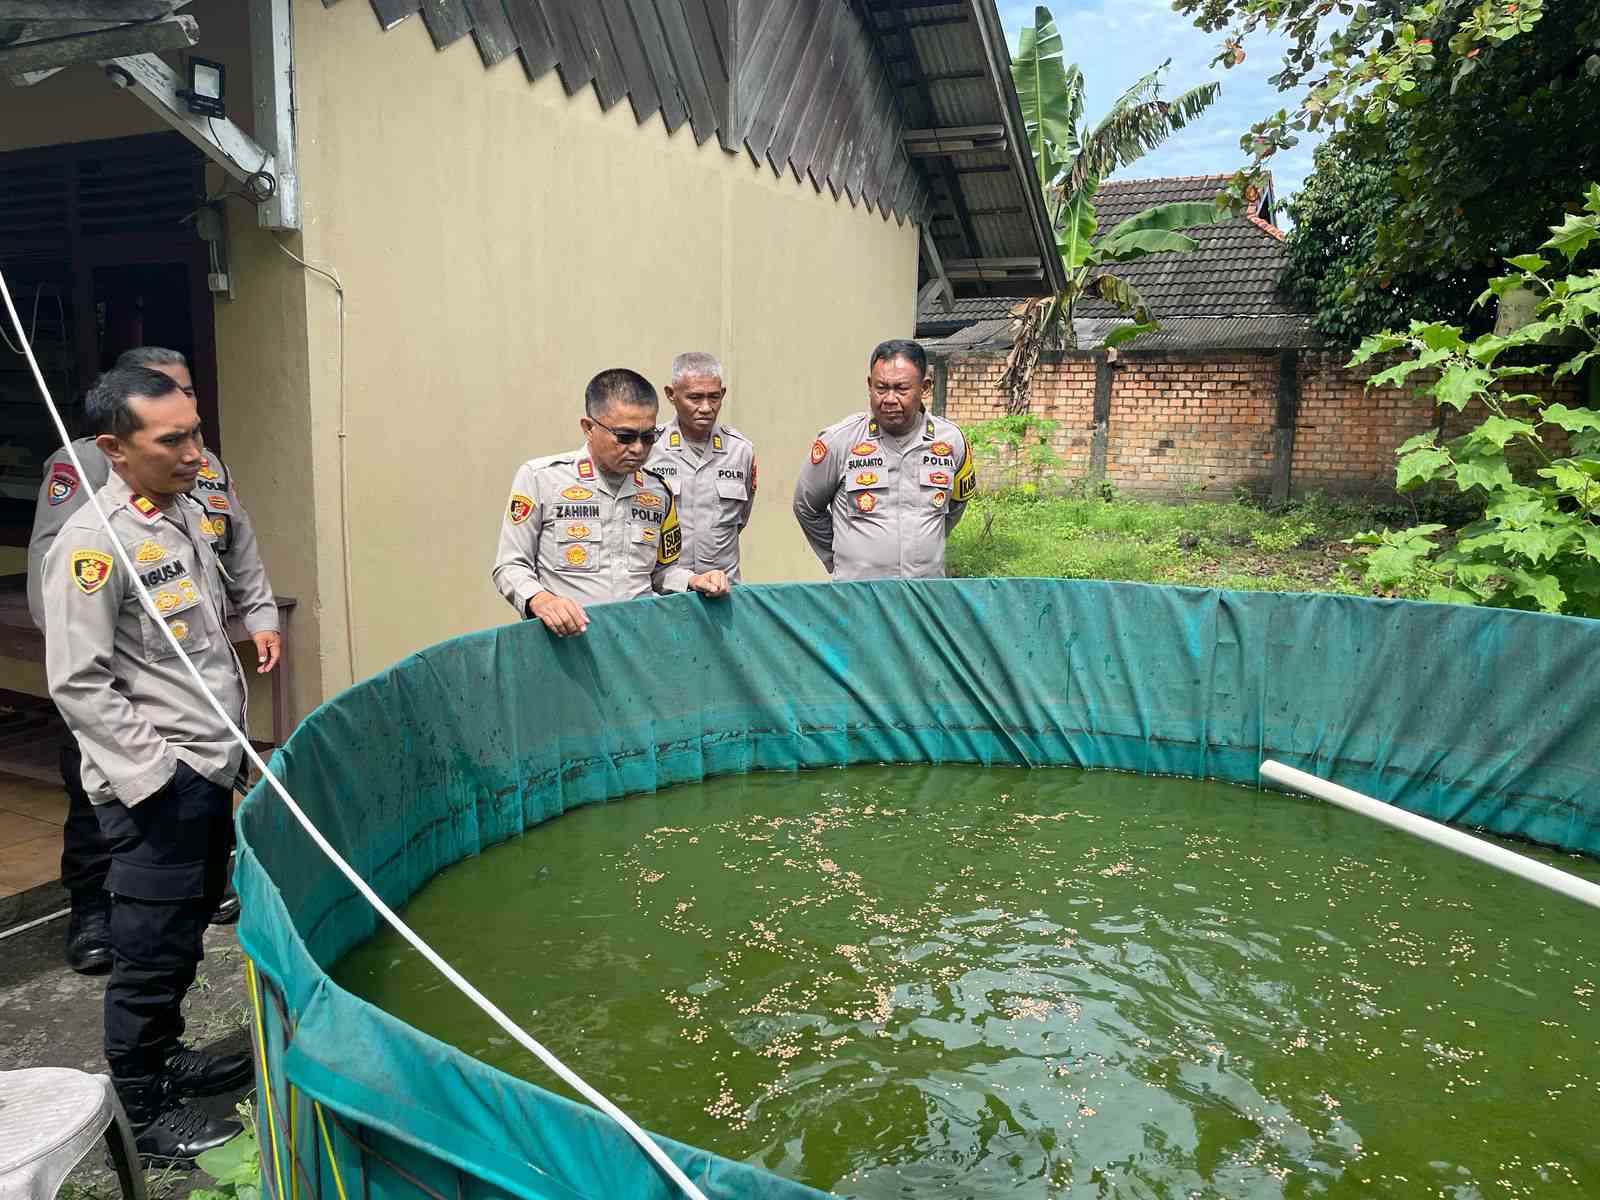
1204 425
499 243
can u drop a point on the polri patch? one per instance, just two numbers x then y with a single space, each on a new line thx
521 508
819 451
63 483
90 570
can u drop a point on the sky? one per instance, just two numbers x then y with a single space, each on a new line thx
1117 41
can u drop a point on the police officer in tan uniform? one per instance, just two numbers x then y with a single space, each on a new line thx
884 488
84 858
710 467
594 525
158 764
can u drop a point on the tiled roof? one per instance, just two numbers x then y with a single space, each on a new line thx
1181 333
1233 272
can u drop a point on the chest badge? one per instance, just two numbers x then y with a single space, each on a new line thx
576 556
863 448
578 532
942 449
938 500
647 500
866 501
149 552
577 493
867 478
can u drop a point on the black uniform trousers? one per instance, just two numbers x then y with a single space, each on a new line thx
84 856
169 864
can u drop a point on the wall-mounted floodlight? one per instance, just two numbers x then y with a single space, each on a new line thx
204 95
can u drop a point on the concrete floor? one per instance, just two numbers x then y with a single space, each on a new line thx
51 1017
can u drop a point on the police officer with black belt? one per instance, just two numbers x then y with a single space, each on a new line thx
159 765
84 857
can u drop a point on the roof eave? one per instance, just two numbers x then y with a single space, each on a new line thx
986 19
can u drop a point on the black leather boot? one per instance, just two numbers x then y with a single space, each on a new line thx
89 934
167 1131
196 1073
227 908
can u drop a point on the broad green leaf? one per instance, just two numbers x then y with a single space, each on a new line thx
1178 216
1529 262
1122 294
1518 510
1572 236
1543 590
1396 375
1460 383
1145 241
1377 343
1572 419
1568 477
1438 336
1395 561
1126 333
1537 544
1419 467
1573 365
1487 471
1443 594
1418 442
1497 431
241 1152
1045 87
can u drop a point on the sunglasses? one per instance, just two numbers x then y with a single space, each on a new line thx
627 437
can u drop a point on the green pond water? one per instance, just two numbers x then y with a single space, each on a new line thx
959 982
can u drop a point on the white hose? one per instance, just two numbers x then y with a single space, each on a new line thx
1439 834
513 1030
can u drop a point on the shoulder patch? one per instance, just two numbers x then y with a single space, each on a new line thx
521 508
145 507
577 493
90 570
819 451
966 481
63 483
752 476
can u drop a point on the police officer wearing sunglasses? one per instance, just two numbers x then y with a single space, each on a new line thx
595 525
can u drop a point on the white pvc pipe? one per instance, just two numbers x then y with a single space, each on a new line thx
521 1036
1520 865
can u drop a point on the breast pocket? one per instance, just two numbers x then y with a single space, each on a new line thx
183 612
577 546
733 494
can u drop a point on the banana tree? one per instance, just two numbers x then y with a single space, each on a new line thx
1071 159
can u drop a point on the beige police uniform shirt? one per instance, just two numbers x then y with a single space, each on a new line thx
877 507
566 531
715 493
121 688
225 524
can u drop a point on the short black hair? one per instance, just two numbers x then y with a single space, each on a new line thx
899 348
618 385
106 408
151 356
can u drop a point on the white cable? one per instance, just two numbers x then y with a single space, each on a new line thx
1520 865
344 465
512 1029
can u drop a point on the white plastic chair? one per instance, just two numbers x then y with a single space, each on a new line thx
50 1117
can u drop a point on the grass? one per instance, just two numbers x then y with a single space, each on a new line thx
1237 545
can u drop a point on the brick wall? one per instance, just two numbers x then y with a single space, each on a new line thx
1206 424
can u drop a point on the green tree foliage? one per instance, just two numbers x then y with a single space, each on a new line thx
1538 543
1489 104
1336 217
1071 158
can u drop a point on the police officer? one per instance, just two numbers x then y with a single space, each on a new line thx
84 858
158 764
884 488
711 468
594 525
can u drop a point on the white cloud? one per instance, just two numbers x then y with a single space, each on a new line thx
1117 41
